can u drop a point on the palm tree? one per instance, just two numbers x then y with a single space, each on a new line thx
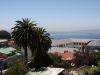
41 45
42 41
23 33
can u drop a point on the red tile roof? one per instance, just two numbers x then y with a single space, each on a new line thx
66 56
3 56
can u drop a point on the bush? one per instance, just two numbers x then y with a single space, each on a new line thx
93 71
58 62
43 61
17 67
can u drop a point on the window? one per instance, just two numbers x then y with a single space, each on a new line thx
74 43
82 43
79 43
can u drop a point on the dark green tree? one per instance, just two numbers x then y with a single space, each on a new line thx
40 46
23 33
4 34
17 67
93 71
58 62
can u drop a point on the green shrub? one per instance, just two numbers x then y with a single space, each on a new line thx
93 71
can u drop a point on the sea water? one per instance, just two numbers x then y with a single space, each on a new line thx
81 34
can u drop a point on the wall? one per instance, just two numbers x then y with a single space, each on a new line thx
2 61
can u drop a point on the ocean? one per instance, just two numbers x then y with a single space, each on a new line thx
76 34
91 34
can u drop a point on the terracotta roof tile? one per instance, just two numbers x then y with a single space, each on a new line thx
66 55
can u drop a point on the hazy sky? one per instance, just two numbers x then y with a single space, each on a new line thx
54 15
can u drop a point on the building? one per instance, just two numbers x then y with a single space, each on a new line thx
61 49
47 71
6 43
71 42
3 43
70 45
6 54
95 44
3 61
68 56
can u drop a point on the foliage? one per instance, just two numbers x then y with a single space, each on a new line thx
40 47
93 71
17 67
61 45
84 56
42 41
17 48
97 55
58 62
23 33
98 63
4 35
43 62
55 57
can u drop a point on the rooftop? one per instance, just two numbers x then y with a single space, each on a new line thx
70 40
3 40
47 71
66 55
3 56
94 43
61 41
7 50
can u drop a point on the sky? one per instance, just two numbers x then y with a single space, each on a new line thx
54 15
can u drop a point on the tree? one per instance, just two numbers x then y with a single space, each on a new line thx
40 46
58 62
93 71
42 41
17 67
23 33
97 56
4 35
84 56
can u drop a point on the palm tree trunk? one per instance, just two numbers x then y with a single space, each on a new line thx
26 48
32 53
26 53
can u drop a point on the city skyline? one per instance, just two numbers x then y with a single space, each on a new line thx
54 15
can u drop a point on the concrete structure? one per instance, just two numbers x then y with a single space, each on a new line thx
46 71
61 49
6 54
71 42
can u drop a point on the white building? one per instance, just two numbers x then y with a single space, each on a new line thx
71 42
61 49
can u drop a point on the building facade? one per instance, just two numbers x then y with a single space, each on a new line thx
71 42
6 54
